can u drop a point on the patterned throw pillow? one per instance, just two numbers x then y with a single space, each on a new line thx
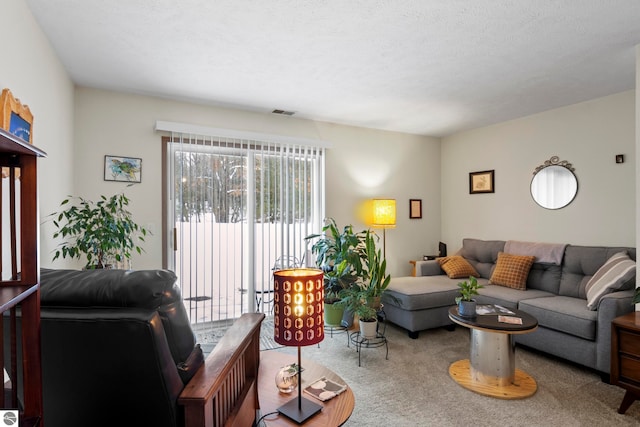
612 276
512 271
457 267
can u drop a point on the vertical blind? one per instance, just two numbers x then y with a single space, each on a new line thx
239 208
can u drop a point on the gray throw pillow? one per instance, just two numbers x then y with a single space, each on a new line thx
612 276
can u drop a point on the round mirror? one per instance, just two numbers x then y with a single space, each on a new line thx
554 185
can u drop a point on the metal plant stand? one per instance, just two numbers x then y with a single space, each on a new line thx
360 342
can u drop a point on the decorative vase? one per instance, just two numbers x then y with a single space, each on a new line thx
368 329
287 378
333 314
467 308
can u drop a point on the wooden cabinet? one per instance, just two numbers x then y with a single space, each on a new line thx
20 277
625 357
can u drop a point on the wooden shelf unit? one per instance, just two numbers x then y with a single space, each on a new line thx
19 287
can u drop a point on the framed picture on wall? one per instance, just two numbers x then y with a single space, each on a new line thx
481 182
123 169
415 208
15 117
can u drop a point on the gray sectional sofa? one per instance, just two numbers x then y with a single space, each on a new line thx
555 294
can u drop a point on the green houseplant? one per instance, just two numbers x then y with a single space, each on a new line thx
375 267
340 255
103 231
466 303
357 299
363 298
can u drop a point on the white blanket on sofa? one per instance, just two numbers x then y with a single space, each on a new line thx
550 253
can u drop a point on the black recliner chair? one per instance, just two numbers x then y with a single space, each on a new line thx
117 348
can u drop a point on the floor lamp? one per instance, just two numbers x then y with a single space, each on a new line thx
298 317
384 216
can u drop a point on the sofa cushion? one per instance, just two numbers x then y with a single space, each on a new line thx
545 277
482 254
616 273
508 297
108 288
457 267
512 270
564 314
582 262
418 293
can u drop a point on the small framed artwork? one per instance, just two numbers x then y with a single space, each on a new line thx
481 182
15 117
415 208
123 169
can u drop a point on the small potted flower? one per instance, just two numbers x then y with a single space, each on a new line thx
466 303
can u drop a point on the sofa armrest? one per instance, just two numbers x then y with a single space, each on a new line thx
428 268
611 306
237 352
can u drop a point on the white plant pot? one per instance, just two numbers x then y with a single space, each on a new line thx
368 329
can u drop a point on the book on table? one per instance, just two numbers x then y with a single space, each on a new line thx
510 319
324 389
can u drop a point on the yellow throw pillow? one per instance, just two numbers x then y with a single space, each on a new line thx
457 267
512 271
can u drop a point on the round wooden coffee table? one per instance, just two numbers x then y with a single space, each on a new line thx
490 369
335 411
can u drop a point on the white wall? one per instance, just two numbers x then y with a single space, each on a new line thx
33 73
588 134
361 164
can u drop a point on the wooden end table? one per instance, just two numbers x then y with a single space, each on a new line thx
491 370
625 357
335 411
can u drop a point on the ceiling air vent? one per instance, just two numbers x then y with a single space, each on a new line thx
284 112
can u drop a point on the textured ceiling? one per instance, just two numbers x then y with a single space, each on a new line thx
431 67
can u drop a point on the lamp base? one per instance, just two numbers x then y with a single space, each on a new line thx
307 409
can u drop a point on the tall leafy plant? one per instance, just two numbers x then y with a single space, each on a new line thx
376 277
364 297
102 231
340 254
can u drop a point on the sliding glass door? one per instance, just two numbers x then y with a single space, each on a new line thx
237 210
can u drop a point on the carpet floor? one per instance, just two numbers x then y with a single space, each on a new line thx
413 387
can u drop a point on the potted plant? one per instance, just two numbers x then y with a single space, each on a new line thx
375 271
357 299
466 303
103 232
363 298
367 319
340 254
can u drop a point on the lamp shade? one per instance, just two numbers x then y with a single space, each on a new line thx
384 212
298 306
